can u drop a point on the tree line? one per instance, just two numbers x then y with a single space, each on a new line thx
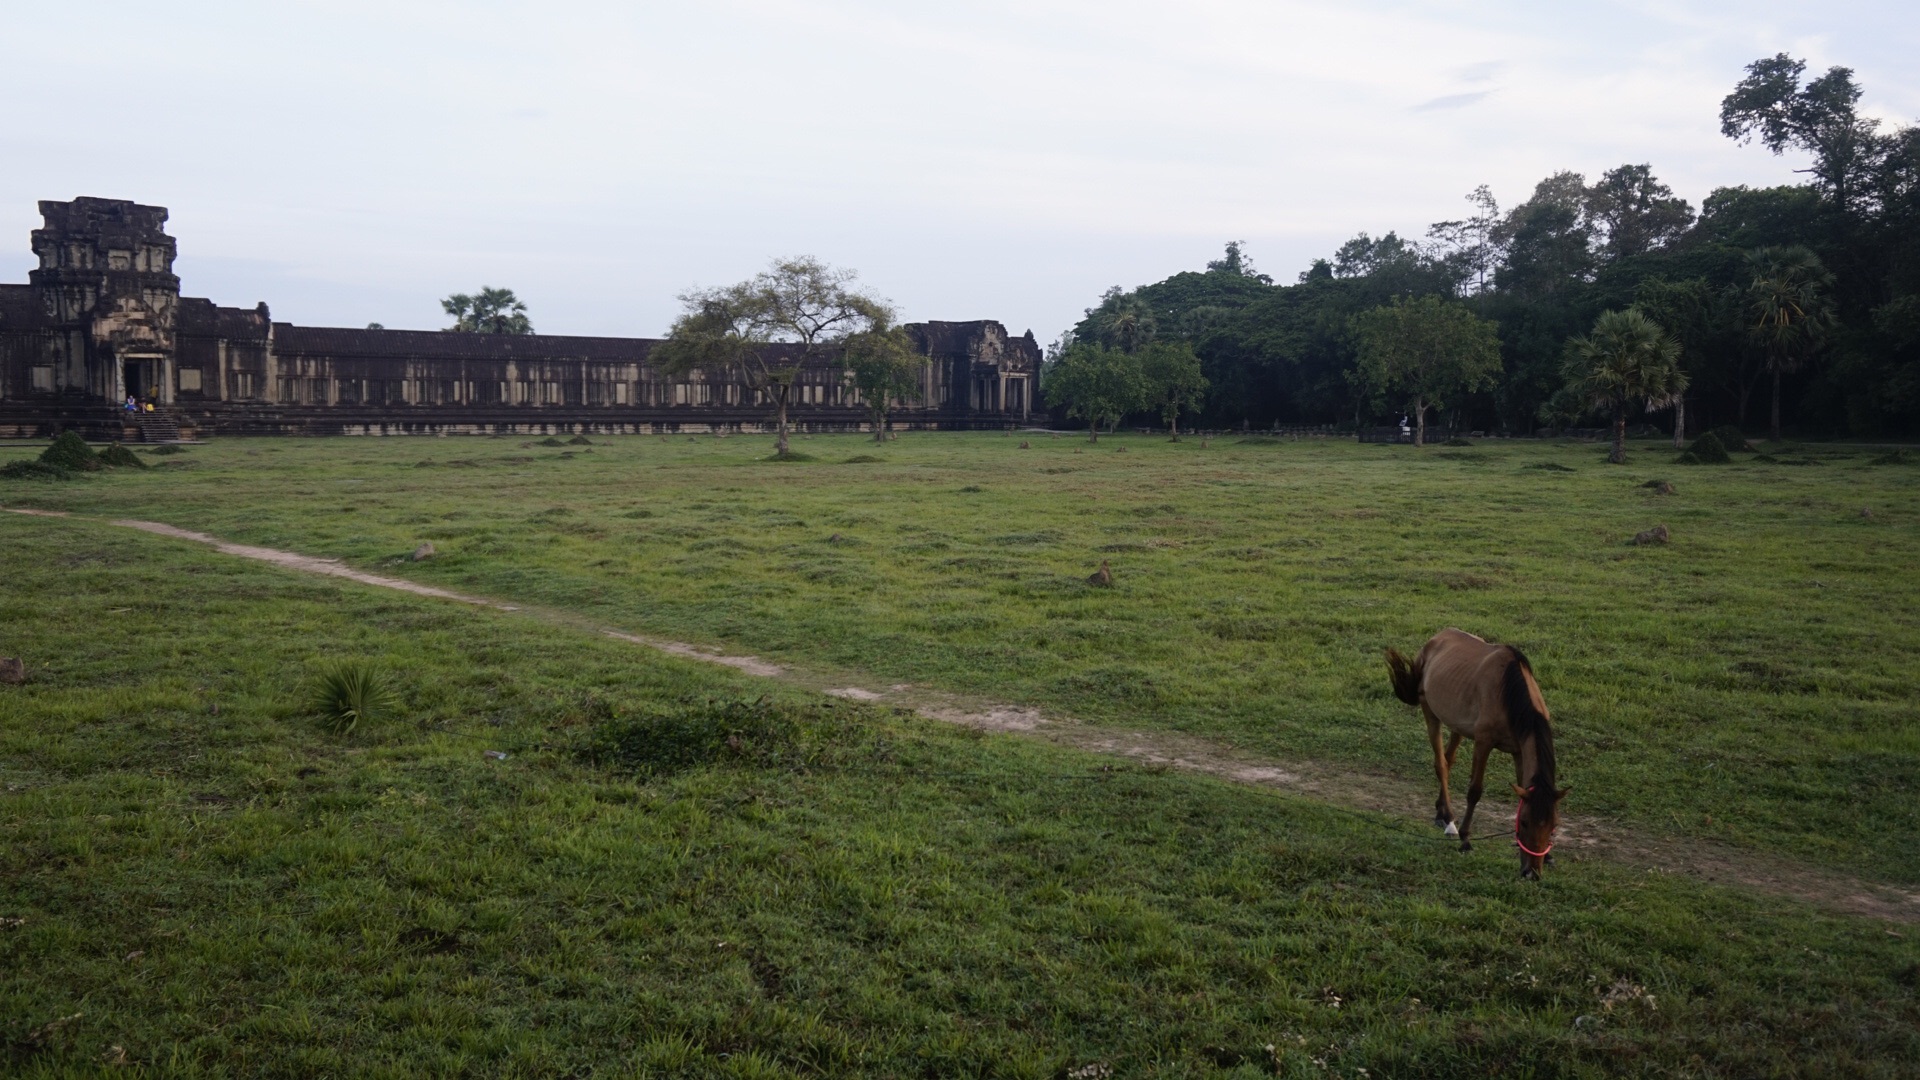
1588 301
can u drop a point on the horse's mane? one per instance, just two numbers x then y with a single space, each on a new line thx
1526 721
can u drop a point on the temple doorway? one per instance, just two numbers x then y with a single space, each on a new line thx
136 383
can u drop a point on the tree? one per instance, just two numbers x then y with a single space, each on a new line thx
1821 118
1468 245
1627 358
1789 311
885 367
1635 213
1236 264
1429 350
1096 384
1547 240
1173 381
769 328
1702 320
489 311
1124 321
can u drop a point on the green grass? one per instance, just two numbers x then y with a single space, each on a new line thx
217 884
1751 683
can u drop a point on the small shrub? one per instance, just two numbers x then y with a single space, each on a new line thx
579 440
71 452
352 692
165 450
791 457
864 459
1548 466
550 441
34 470
1706 450
117 456
761 734
972 489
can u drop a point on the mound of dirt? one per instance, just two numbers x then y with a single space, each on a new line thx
1660 487
71 452
550 441
34 470
1656 535
579 440
1547 466
1731 439
117 455
1706 450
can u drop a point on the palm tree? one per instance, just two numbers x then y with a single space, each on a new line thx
490 311
1790 311
1627 358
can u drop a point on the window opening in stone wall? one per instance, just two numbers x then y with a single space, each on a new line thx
243 384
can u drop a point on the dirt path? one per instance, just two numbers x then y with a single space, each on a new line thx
1580 838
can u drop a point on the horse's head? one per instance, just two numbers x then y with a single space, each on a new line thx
1534 822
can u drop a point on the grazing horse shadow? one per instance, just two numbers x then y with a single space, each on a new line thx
1485 692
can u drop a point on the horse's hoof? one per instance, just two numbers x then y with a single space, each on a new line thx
1452 829
1465 846
1529 875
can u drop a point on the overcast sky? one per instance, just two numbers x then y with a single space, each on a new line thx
351 162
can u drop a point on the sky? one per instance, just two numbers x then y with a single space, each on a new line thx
352 162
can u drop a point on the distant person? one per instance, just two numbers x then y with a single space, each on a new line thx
132 405
148 407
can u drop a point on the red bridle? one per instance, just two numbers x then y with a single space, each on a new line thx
1517 842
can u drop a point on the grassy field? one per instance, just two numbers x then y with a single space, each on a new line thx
1752 682
196 878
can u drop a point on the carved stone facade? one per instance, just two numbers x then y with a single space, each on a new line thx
102 318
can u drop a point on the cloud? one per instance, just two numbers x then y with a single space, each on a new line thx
1451 101
1481 72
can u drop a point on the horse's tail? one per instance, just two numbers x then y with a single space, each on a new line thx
1405 674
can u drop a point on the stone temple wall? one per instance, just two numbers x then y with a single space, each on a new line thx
102 318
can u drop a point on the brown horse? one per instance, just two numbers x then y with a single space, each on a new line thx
1486 693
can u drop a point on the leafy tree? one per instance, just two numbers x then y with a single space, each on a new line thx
1635 213
1236 264
1468 245
489 311
1097 384
1790 311
1548 240
885 368
1703 322
1124 321
1173 381
770 327
1627 358
1820 117
1429 350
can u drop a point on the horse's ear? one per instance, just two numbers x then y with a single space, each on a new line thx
1562 793
1523 792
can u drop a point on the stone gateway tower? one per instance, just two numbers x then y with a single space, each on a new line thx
102 319
107 289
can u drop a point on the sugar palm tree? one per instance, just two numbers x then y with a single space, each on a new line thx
1627 358
1790 311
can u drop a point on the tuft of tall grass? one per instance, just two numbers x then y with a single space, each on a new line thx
352 692
700 732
